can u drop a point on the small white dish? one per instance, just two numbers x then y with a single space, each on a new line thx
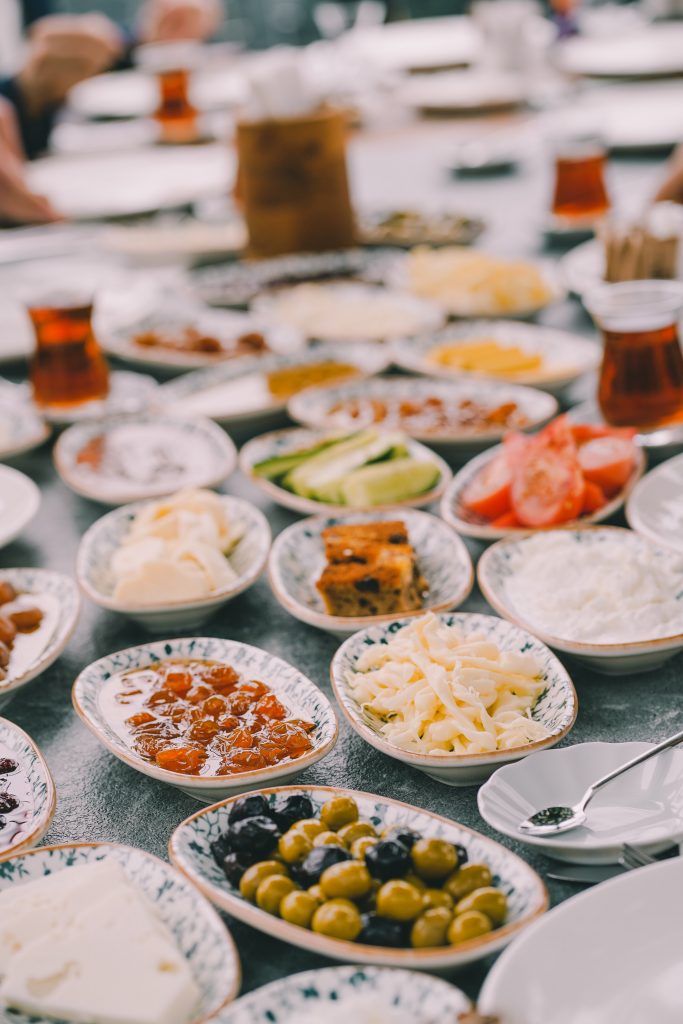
655 506
469 525
19 502
420 997
554 971
297 558
58 597
497 566
128 393
463 92
32 784
556 708
145 456
642 807
99 543
197 929
280 442
21 428
283 679
318 408
566 356
190 851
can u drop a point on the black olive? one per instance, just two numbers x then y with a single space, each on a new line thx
402 835
288 809
8 803
387 859
234 867
255 837
463 855
220 848
318 860
7 766
2 822
255 806
380 931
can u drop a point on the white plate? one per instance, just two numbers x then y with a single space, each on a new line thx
279 442
464 92
497 566
204 457
21 428
424 44
290 685
566 356
556 707
649 121
128 393
32 784
314 407
297 559
554 972
653 51
181 240
19 502
102 540
655 506
642 807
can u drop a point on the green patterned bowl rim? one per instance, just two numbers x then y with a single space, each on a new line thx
40 780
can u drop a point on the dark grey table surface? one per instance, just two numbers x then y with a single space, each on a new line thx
99 798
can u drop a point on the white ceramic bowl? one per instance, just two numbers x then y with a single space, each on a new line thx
454 512
655 506
497 565
280 442
19 746
190 851
293 688
566 356
642 807
610 954
197 929
21 428
100 542
297 558
556 707
62 605
19 502
315 407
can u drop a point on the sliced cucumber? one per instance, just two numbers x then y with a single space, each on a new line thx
321 477
386 482
278 465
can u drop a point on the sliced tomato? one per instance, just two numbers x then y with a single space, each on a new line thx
548 486
607 461
514 446
583 432
593 498
488 494
506 522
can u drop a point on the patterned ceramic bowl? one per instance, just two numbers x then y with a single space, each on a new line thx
197 929
293 688
556 708
297 559
99 543
21 428
418 996
190 851
17 745
61 604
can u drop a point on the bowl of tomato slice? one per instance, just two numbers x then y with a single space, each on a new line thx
567 473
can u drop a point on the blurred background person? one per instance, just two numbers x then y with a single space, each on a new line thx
18 204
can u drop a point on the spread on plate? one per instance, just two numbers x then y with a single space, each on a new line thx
322 867
415 227
287 381
371 570
433 690
203 718
17 616
84 944
191 340
176 549
486 356
425 416
556 476
16 801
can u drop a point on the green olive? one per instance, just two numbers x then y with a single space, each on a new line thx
327 839
350 880
253 876
434 859
339 811
466 879
359 847
356 830
339 919
469 925
433 898
417 882
311 827
431 928
294 845
299 908
399 901
317 893
272 891
488 900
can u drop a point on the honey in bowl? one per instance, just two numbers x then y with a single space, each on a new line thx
68 367
580 193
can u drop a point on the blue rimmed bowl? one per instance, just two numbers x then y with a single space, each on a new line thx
288 684
102 540
198 931
556 707
19 746
190 851
297 558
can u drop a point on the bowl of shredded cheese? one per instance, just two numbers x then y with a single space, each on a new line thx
455 695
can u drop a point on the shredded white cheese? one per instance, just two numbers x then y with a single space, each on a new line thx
436 691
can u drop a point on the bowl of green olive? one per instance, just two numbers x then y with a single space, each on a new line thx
357 877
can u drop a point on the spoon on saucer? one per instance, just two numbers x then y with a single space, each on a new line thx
553 820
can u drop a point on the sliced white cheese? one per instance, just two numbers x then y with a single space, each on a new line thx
161 583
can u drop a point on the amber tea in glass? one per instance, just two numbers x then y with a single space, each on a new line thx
68 367
580 193
175 114
641 380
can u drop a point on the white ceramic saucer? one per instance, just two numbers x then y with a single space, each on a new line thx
19 502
